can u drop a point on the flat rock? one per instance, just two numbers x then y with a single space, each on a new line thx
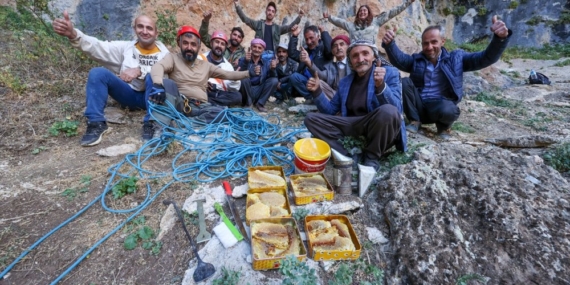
332 207
115 115
302 108
167 222
117 150
211 195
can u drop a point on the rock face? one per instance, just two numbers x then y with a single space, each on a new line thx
459 210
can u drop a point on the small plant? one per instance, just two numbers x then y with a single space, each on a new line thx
534 20
398 157
68 128
460 11
300 214
482 11
229 277
297 272
143 234
39 149
83 187
513 4
166 21
463 280
562 63
352 144
69 193
461 127
124 187
342 276
493 100
559 157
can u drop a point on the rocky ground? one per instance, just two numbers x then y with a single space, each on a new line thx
483 206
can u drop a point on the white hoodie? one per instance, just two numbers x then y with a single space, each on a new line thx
225 85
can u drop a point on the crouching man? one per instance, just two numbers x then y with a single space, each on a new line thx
370 103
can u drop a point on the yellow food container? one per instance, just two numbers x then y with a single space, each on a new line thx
263 168
274 263
306 199
256 191
333 254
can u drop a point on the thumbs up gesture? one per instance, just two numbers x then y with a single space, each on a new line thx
389 36
248 54
304 57
499 28
64 27
313 83
379 74
273 64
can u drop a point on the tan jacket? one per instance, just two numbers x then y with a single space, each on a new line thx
191 78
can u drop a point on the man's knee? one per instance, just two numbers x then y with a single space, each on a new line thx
450 111
98 73
310 119
272 81
297 77
387 112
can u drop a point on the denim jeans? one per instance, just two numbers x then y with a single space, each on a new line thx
102 83
299 83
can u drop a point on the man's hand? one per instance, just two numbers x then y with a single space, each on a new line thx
301 13
273 64
248 54
304 57
379 74
278 85
236 62
64 27
389 36
129 74
157 94
321 28
499 28
207 16
295 30
257 69
313 83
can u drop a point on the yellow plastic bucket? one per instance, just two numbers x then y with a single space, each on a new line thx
311 155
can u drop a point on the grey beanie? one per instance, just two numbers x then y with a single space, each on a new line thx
368 44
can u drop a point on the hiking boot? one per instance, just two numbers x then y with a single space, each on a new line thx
148 131
261 108
94 133
372 161
444 135
413 127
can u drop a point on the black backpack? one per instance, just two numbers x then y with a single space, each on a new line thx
540 79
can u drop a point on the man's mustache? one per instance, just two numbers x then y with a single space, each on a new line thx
362 63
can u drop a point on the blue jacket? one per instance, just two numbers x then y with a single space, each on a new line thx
266 71
452 63
392 95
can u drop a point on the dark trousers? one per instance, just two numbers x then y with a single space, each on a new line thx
443 113
224 98
381 128
258 94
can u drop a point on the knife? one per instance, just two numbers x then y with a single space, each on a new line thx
233 210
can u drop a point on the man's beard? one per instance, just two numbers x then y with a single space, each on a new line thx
189 55
282 58
218 52
234 43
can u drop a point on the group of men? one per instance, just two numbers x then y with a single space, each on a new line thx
357 92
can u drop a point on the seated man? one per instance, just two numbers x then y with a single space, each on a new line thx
318 51
262 81
131 60
333 72
435 85
188 79
234 51
369 101
285 67
221 92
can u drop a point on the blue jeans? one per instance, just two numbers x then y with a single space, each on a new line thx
299 83
101 83
284 92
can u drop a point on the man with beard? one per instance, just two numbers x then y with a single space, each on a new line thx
234 51
435 85
332 72
369 101
131 60
221 92
285 67
262 80
188 79
267 29
317 52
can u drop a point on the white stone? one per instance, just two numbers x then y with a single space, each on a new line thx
117 150
211 195
376 236
365 176
302 108
168 221
532 179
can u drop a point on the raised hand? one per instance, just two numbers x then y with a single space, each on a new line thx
313 82
273 64
304 57
379 74
64 27
207 16
321 28
301 13
248 54
389 36
295 30
499 28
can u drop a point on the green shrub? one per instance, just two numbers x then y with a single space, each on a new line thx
68 128
166 24
482 11
229 277
124 187
297 272
559 157
535 20
492 100
460 11
461 127
513 4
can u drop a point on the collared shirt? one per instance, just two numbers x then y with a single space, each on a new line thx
436 85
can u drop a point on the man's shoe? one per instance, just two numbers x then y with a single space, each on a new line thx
309 102
445 134
147 131
94 133
413 127
261 108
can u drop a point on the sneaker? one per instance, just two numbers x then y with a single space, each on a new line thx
148 131
370 160
445 134
94 133
261 108
413 127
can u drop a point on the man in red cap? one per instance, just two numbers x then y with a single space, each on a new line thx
221 92
188 79
332 72
234 50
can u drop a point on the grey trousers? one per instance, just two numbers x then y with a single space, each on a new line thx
260 93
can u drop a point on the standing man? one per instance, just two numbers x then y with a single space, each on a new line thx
234 51
317 52
262 81
369 101
435 85
333 72
285 67
267 29
126 63
188 79
221 92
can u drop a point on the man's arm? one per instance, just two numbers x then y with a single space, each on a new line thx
292 51
248 21
204 34
327 42
399 59
286 28
499 42
386 16
217 72
391 93
164 66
